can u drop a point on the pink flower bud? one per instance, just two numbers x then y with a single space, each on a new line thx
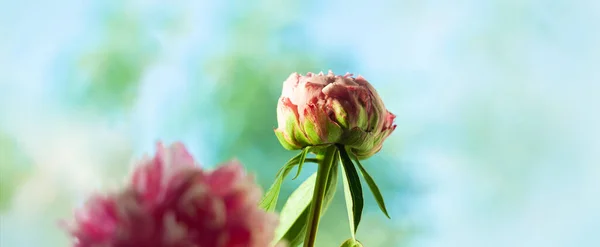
171 202
332 109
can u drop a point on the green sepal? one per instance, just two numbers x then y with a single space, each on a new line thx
311 128
301 161
341 116
333 132
354 137
299 136
352 189
269 200
319 128
287 144
373 186
362 120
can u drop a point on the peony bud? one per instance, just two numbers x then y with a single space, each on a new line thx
328 109
171 202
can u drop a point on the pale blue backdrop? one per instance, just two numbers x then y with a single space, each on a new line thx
497 104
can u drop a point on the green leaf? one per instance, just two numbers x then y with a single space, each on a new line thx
373 187
351 243
294 215
269 201
295 209
352 191
301 161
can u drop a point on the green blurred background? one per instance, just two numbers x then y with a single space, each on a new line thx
497 104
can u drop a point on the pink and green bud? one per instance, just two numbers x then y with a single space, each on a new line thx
319 109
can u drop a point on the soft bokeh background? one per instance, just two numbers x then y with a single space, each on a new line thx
498 106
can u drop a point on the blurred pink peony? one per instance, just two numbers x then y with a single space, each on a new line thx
322 109
171 202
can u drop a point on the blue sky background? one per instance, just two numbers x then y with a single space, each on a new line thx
496 101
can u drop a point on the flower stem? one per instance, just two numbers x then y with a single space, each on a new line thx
327 158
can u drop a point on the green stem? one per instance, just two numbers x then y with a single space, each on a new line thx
327 158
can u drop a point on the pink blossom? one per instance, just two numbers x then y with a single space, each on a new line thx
171 202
